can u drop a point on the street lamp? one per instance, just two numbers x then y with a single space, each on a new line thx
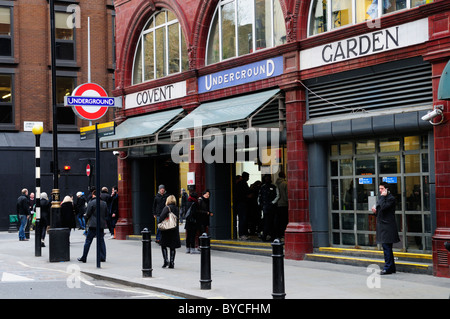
37 131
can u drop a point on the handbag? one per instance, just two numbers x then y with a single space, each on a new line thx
169 223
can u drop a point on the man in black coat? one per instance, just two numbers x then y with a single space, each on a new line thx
91 217
387 233
158 204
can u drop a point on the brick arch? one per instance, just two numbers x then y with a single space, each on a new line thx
133 31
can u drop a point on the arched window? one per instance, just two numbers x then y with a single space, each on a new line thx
244 26
161 49
327 15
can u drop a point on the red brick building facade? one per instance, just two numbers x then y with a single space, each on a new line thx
354 84
26 90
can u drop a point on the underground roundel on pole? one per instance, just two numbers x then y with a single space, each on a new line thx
90 113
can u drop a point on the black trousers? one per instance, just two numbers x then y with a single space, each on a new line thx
389 262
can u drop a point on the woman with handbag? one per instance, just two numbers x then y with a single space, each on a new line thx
170 237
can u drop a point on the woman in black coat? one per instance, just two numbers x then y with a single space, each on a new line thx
203 212
170 238
387 233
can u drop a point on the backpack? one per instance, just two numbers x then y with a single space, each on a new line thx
190 214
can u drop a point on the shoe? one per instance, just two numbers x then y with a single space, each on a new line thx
42 244
172 258
188 250
166 260
386 272
81 260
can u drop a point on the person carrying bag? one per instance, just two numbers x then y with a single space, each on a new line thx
170 236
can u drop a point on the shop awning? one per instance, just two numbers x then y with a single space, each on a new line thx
142 130
233 110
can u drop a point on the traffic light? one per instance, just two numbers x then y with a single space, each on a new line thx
66 168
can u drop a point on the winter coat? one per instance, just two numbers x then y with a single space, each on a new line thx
171 237
387 232
45 211
23 205
68 215
191 221
159 203
91 214
203 210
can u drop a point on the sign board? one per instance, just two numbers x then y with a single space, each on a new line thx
88 170
28 125
390 180
365 181
380 40
90 101
104 129
243 74
155 95
191 178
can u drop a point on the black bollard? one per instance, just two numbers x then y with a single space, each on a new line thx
205 262
278 270
146 254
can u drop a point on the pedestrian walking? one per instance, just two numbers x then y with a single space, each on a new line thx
191 226
45 216
80 210
114 209
158 204
268 197
183 204
204 212
170 238
242 202
91 217
23 212
387 233
68 213
282 214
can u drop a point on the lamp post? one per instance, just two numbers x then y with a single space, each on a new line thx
59 249
37 131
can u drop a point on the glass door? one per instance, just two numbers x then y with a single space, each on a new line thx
357 167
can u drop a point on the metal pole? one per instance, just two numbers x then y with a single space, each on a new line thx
55 191
89 49
146 253
37 228
205 262
97 178
278 270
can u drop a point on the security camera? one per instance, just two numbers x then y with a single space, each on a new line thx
431 115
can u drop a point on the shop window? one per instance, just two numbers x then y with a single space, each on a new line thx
5 32
347 12
6 99
64 37
161 49
241 27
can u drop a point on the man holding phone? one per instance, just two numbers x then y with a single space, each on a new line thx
387 233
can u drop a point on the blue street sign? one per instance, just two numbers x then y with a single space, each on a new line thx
365 181
92 101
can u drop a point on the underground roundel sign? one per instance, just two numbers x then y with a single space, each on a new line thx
93 101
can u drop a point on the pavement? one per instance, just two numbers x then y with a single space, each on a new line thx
234 275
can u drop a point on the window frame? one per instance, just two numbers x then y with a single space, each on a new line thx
140 46
66 62
218 14
9 125
10 6
329 25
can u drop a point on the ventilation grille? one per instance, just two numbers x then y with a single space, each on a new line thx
406 87
442 257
